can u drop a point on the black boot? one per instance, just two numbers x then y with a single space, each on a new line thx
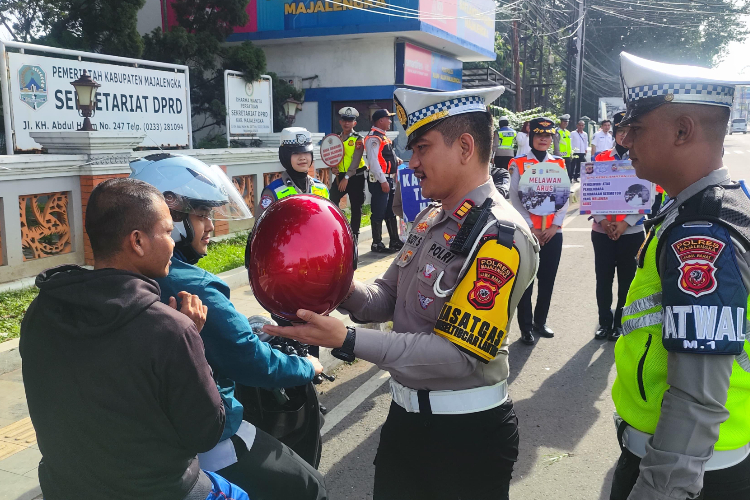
356 253
395 242
377 238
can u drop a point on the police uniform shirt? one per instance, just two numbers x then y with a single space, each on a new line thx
358 152
372 147
515 179
268 196
693 407
478 312
602 141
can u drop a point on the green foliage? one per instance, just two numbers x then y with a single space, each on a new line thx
13 306
282 91
516 120
366 215
216 141
225 255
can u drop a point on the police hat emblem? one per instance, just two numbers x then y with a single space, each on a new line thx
301 139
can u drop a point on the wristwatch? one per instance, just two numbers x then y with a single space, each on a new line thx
346 177
346 351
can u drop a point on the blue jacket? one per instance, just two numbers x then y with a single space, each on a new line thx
234 352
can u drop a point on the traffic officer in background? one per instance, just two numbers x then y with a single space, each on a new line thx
547 229
616 239
502 146
351 175
562 142
451 431
383 164
296 156
682 392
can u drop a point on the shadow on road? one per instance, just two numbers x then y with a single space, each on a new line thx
562 410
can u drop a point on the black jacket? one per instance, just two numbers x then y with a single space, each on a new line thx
501 180
118 388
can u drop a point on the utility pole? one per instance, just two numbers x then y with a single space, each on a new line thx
525 63
579 62
516 67
541 71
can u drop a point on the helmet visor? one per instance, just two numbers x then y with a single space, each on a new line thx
223 203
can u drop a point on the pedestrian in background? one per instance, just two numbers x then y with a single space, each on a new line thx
502 143
381 182
522 140
580 143
602 140
561 140
351 175
547 229
616 239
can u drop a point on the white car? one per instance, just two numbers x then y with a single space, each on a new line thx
738 125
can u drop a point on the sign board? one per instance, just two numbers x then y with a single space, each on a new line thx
130 99
611 187
412 200
418 67
610 106
332 150
249 105
544 188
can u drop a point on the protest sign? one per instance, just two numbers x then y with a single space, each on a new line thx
612 187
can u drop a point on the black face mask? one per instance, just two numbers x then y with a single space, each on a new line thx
621 150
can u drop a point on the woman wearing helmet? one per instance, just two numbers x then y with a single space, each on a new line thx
295 155
197 195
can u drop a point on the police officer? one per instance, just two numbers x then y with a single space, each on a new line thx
351 175
562 142
616 239
296 156
451 431
503 141
548 229
383 164
682 392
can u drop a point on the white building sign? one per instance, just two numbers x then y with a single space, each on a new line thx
249 105
130 99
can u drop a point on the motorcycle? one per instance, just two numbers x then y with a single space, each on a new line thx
290 414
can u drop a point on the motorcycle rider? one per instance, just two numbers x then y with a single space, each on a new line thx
197 195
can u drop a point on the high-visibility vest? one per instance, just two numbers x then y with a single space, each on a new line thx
609 155
281 190
641 361
566 147
520 162
350 144
506 136
386 157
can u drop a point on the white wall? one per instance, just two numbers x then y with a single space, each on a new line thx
338 63
308 117
149 17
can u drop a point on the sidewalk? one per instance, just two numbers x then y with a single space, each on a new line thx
19 453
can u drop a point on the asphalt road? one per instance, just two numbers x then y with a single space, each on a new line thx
560 388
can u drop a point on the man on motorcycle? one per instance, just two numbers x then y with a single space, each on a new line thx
197 195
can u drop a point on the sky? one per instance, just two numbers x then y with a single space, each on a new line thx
736 60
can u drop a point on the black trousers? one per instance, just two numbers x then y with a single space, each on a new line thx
549 261
271 470
502 161
381 204
355 188
446 457
611 256
732 483
575 166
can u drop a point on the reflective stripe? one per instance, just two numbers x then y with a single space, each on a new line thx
744 361
283 192
643 304
642 322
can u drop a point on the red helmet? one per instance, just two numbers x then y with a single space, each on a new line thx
301 256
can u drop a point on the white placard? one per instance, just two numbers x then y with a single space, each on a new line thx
249 105
155 102
544 188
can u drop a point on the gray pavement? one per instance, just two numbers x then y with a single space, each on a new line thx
560 387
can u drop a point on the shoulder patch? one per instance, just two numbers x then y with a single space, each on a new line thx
697 256
266 200
463 209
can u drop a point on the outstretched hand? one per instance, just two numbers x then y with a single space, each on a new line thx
323 331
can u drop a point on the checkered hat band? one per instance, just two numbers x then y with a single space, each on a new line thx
294 142
685 92
453 107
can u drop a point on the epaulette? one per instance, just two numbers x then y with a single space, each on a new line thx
276 183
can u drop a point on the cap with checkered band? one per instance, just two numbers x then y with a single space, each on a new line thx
420 111
650 84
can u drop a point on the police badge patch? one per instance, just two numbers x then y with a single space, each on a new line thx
492 275
424 301
428 270
697 255
265 201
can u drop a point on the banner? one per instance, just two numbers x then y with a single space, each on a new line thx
544 188
611 187
249 105
412 200
130 99
418 67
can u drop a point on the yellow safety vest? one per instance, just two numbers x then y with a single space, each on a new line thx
506 138
349 147
566 147
317 188
641 361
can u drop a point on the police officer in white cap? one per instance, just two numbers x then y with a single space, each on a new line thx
451 430
350 178
682 392
562 143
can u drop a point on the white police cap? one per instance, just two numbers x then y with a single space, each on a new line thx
295 136
649 84
348 113
565 117
419 111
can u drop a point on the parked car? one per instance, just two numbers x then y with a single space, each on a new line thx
738 125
